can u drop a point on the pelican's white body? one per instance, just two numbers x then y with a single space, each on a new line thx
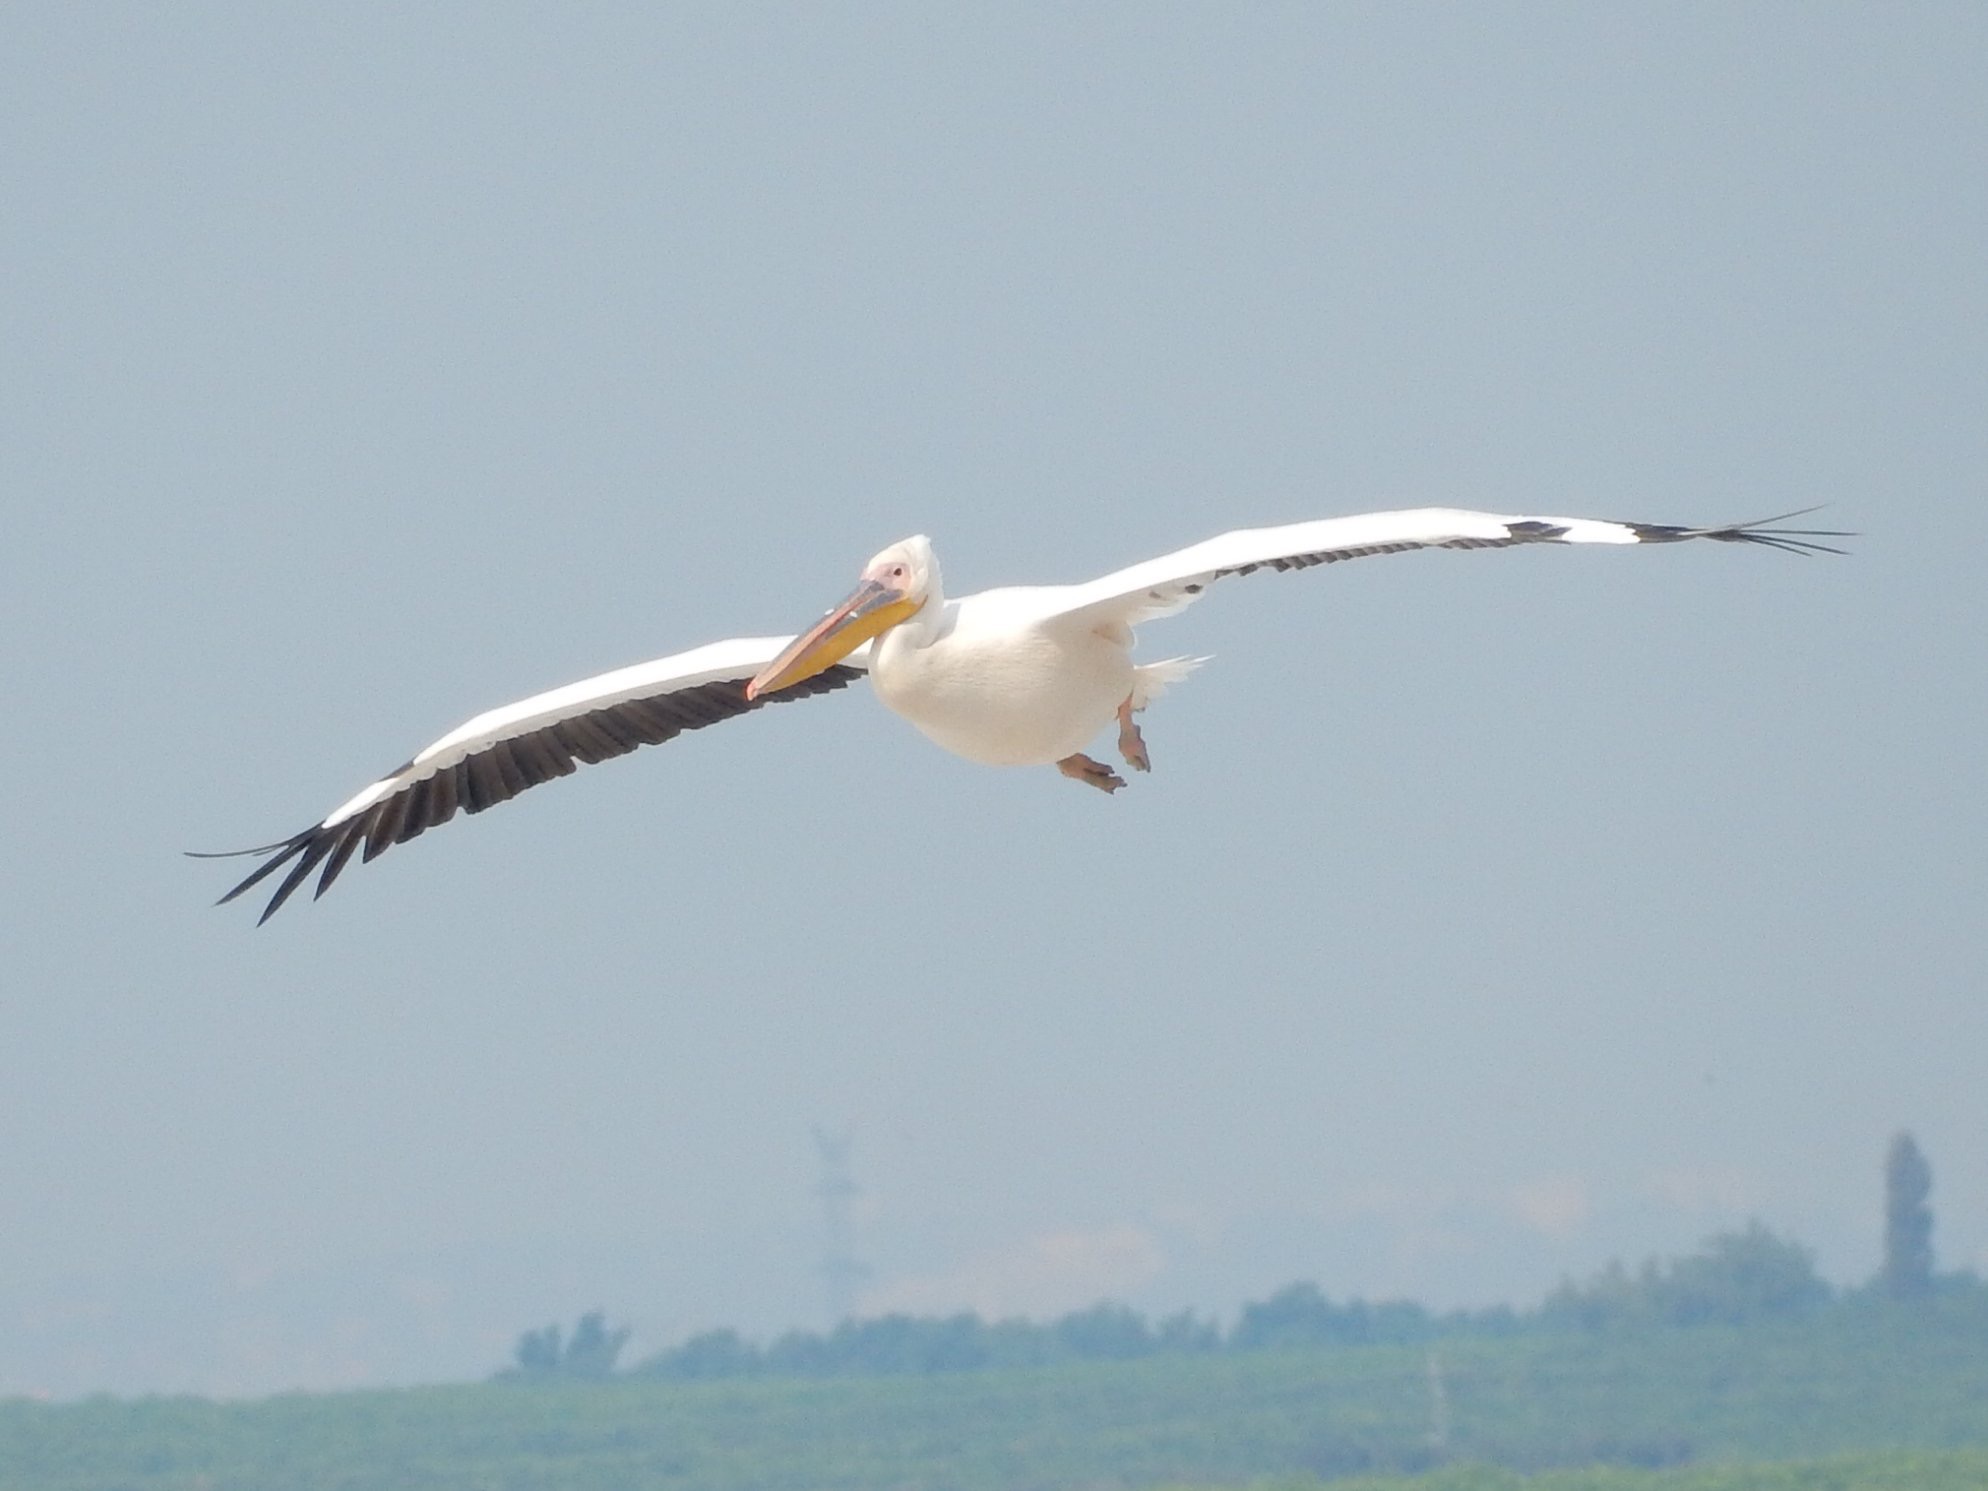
1005 681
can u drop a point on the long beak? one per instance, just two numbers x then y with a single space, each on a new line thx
872 608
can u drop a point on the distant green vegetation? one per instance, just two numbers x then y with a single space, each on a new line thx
1961 1470
1671 1407
1732 1369
1736 1279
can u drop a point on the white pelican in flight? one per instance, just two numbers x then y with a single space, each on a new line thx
1023 676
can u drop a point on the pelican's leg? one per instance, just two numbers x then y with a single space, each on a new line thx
1083 769
1131 744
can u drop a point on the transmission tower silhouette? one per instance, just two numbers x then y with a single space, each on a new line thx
842 1273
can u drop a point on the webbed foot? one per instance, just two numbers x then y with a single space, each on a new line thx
1082 768
1131 744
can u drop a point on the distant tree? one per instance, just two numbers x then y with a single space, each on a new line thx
1610 1300
1104 1331
888 1344
537 1352
1016 1342
1908 1220
1738 1276
955 1344
590 1354
1298 1315
719 1353
1402 1322
593 1349
1187 1331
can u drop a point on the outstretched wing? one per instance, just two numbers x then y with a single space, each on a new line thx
1162 586
497 755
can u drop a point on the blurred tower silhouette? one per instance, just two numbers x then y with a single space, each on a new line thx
842 1273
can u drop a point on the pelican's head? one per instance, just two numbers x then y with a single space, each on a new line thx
894 588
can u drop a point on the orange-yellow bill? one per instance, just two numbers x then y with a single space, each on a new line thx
871 609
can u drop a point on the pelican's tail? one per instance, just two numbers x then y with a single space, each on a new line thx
1150 680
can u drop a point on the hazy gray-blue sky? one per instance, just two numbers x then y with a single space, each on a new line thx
1486 915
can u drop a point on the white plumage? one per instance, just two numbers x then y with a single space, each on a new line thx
1011 677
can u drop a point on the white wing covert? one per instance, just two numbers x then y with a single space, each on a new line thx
502 752
1162 586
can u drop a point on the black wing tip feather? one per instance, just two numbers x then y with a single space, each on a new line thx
497 774
1787 540
238 853
280 854
1758 531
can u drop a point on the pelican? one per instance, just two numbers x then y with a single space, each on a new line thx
1020 676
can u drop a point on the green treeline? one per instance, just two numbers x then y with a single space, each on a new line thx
1735 1279
1734 1368
1703 1407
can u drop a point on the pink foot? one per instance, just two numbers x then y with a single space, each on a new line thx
1082 768
1131 744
